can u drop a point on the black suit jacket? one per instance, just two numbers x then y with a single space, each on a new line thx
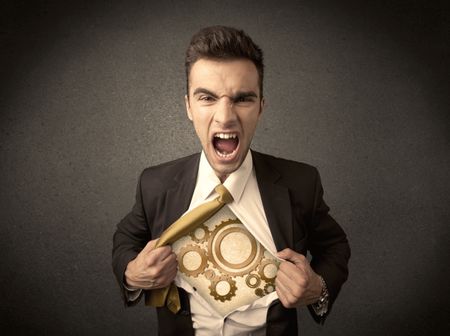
298 218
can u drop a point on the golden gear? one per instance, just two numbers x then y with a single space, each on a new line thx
263 265
269 287
200 229
209 274
203 263
215 255
259 292
231 292
250 277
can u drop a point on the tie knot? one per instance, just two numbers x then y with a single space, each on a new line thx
224 194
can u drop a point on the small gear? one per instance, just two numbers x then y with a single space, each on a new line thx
209 274
225 297
203 260
252 278
259 292
263 265
269 287
200 234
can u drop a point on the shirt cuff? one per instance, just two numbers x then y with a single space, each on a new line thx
132 294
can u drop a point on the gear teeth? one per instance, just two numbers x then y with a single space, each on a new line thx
269 287
248 280
203 263
231 292
205 236
261 267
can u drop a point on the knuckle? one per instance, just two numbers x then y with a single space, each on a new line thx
151 258
166 250
297 293
152 273
158 268
285 266
302 282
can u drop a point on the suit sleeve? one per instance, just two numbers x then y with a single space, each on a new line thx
329 247
131 236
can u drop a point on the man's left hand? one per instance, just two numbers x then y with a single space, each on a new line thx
297 284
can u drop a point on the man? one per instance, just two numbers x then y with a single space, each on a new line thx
224 101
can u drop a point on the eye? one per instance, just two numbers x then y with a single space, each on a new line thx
244 99
206 98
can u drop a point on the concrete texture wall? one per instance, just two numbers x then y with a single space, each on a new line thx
92 92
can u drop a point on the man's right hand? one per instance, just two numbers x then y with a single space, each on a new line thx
152 268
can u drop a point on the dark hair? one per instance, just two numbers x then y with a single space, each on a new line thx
223 43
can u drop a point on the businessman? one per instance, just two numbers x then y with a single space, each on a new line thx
278 205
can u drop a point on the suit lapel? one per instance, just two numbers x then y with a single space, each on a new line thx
180 194
276 201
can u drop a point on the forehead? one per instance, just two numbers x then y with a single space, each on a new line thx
224 76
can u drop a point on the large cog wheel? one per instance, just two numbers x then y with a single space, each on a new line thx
219 261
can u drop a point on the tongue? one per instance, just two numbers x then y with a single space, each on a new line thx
226 145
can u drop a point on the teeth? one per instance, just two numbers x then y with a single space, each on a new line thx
225 135
222 155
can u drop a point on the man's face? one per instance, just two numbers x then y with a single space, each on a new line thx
224 104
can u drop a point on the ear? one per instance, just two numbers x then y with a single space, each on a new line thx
262 105
188 107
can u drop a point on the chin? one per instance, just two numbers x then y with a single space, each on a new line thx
226 169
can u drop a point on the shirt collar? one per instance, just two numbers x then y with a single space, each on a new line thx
235 183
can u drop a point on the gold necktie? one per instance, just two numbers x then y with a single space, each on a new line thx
181 227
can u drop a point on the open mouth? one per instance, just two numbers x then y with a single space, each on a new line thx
225 144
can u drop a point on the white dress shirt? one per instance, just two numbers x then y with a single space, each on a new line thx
247 206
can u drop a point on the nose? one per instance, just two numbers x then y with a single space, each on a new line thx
225 114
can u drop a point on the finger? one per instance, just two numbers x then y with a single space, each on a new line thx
292 277
292 256
164 267
292 287
290 269
168 263
162 253
285 281
281 287
157 255
150 245
283 294
168 278
164 273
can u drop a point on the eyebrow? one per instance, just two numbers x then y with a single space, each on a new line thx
205 91
239 94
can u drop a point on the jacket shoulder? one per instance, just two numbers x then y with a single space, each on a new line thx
165 174
287 169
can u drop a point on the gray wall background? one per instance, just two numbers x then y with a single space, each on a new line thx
92 92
